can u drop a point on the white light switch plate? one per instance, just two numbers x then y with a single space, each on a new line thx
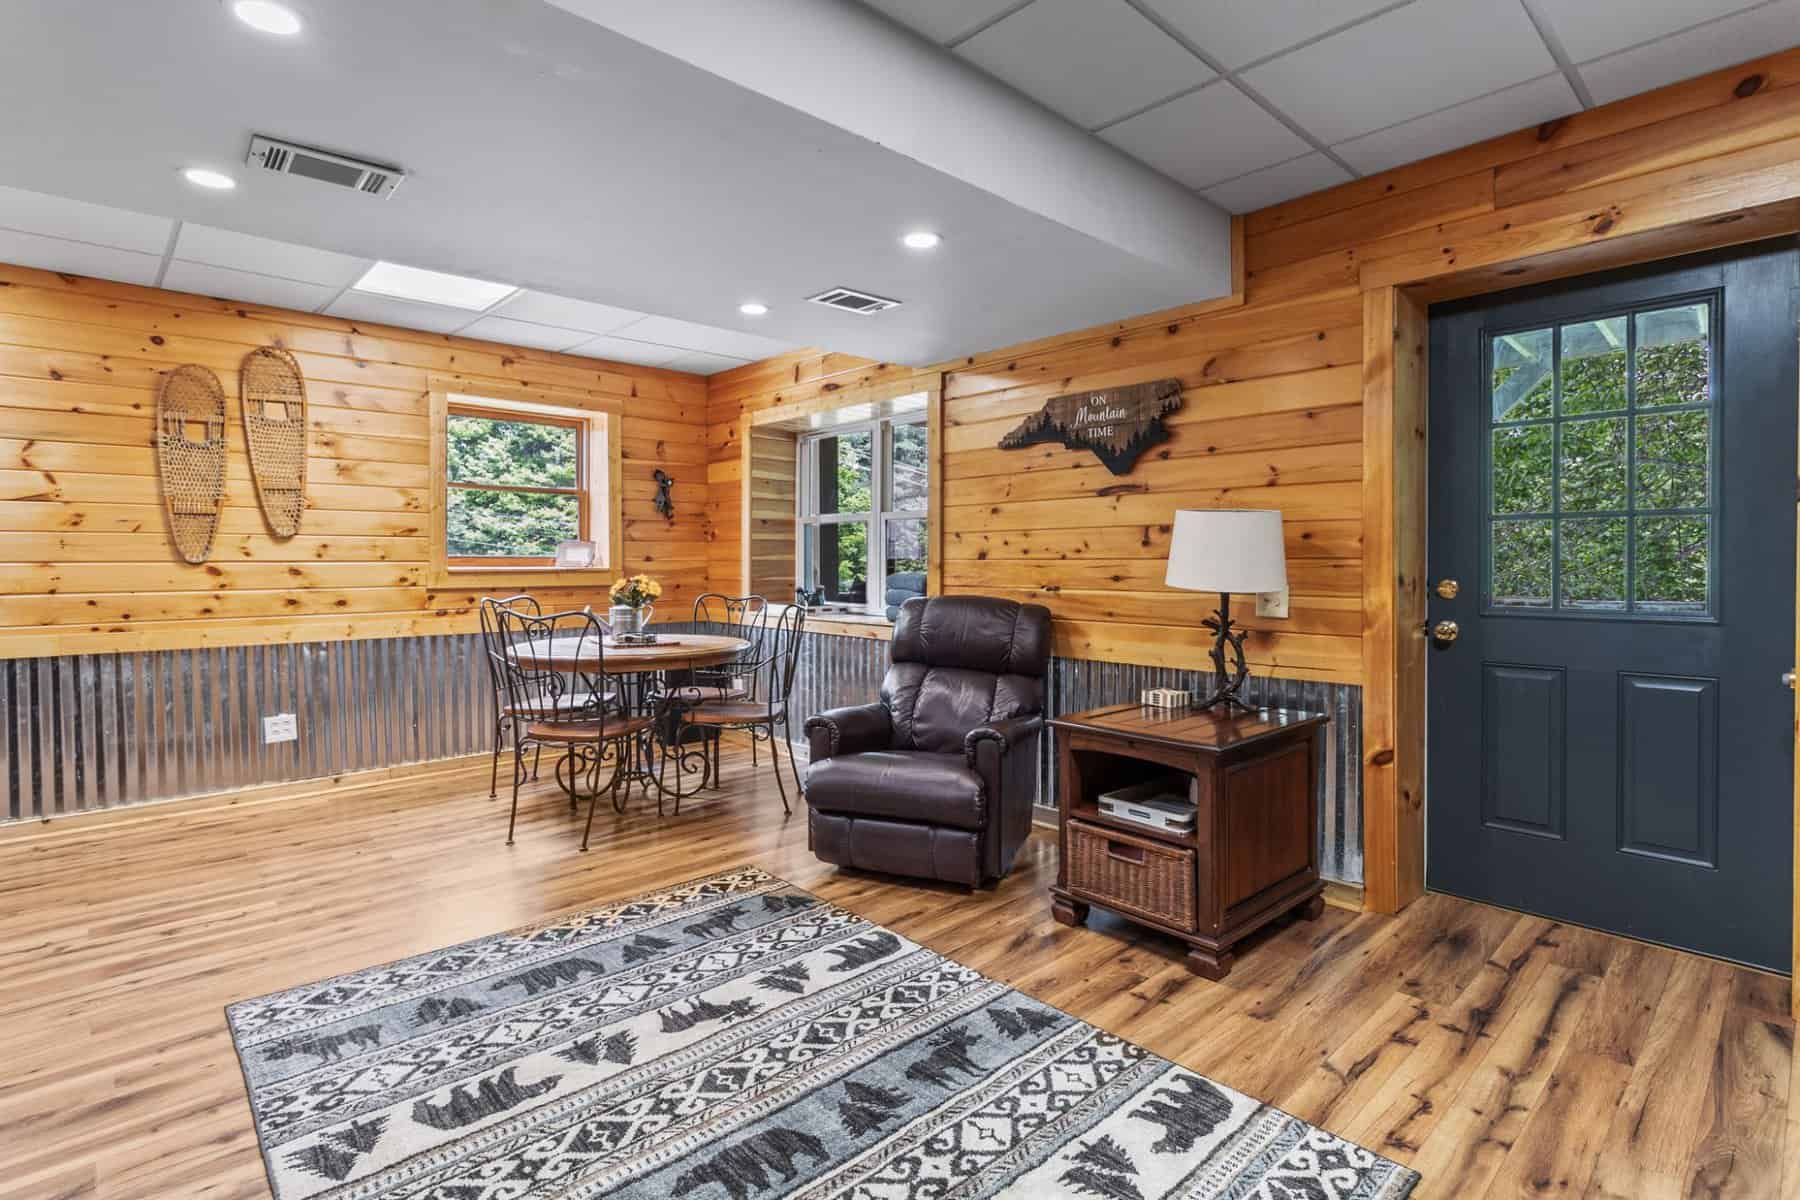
282 727
1272 604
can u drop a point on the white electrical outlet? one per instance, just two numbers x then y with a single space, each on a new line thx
282 727
1272 604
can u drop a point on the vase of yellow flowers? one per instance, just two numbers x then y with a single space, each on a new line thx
632 604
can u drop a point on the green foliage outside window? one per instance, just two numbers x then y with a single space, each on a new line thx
480 523
1597 523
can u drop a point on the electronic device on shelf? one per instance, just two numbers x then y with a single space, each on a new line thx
1162 803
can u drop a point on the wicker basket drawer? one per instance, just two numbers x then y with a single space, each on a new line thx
1136 875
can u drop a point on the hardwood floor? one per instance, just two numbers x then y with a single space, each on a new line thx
1502 1055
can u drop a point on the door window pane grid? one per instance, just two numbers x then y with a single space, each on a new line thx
1601 463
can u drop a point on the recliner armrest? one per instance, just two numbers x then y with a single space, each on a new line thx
1006 733
850 730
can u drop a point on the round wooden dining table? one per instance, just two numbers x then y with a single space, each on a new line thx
639 670
672 652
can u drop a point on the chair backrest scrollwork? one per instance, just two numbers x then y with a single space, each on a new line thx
552 667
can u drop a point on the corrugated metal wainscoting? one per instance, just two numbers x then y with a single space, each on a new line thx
1076 684
837 670
99 731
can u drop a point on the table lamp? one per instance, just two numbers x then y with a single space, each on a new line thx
1227 550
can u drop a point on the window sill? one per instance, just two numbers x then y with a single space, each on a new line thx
848 624
560 576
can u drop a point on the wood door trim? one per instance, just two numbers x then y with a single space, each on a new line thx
1393 644
1394 474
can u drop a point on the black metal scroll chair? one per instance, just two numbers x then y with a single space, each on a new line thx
771 679
745 617
553 669
490 642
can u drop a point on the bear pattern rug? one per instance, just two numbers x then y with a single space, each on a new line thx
735 1038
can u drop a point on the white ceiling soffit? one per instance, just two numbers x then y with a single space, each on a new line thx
615 182
1252 102
847 65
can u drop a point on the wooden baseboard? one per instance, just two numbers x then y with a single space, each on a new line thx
334 787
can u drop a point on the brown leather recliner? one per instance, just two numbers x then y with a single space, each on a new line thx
938 779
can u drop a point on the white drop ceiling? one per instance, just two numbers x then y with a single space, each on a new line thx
641 167
638 197
1251 102
58 234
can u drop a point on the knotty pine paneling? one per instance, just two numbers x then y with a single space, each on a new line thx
85 560
1275 414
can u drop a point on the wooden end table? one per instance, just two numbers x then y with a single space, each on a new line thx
1253 855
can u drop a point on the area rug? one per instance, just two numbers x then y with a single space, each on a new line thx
736 1038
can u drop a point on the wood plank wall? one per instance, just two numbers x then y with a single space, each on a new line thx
1275 388
1283 411
85 560
770 545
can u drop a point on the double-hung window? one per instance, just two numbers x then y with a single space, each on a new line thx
514 475
862 500
517 486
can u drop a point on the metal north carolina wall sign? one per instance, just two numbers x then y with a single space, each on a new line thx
1117 424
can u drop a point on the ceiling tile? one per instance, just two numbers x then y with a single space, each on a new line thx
689 335
1205 136
1474 121
618 349
77 258
1259 189
544 309
1093 61
265 256
704 364
1403 64
1748 35
525 333
1591 28
384 310
247 286
56 216
1237 33
942 20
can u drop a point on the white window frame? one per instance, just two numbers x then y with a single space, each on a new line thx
808 518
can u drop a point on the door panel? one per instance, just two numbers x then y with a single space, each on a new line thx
1612 482
1522 752
1669 764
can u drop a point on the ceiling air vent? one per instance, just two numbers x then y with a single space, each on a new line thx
854 301
286 158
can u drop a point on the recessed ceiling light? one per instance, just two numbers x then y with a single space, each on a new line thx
753 309
432 287
921 239
266 16
218 181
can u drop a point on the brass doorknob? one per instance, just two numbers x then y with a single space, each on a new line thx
1445 632
1447 589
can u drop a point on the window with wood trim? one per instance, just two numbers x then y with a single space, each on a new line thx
862 513
517 485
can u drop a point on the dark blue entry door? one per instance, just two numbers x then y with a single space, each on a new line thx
1613 493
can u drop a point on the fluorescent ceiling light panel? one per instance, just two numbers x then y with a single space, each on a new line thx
432 287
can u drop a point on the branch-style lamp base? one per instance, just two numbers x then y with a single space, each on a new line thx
1227 681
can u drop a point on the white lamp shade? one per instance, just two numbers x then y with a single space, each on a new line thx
1227 550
